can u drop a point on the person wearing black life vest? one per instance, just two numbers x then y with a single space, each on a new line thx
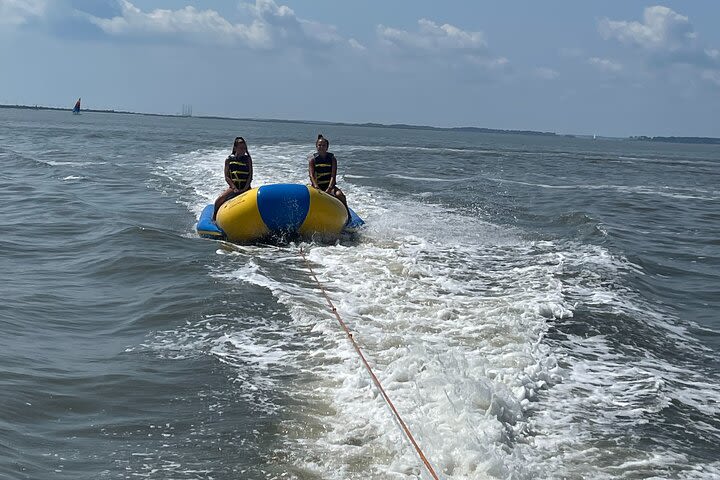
238 173
323 170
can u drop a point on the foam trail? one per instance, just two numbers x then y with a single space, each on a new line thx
453 313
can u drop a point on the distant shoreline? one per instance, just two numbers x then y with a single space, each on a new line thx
672 139
701 140
311 122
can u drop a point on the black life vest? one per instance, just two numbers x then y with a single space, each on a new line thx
239 169
323 169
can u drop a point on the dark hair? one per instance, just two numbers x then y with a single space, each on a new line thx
238 140
320 137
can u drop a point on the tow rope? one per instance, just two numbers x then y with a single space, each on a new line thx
369 369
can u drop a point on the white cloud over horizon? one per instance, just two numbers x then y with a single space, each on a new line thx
436 38
443 42
661 29
605 64
267 25
19 12
666 38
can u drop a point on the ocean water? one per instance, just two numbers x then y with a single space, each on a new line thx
536 307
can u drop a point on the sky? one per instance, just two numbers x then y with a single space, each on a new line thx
607 68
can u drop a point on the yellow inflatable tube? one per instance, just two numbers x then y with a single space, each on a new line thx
278 209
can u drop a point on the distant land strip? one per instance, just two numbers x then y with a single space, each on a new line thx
703 140
311 122
696 140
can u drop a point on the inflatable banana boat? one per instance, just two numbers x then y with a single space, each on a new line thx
278 210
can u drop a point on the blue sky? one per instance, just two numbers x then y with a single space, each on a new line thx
606 68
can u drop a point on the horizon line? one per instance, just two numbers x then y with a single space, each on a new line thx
664 139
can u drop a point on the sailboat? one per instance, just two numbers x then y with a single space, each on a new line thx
76 108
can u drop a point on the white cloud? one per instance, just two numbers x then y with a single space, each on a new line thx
666 39
187 22
269 25
444 43
435 38
493 63
19 12
661 29
665 35
605 65
357 45
282 23
712 76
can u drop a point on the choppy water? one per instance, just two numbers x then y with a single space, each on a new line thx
536 307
